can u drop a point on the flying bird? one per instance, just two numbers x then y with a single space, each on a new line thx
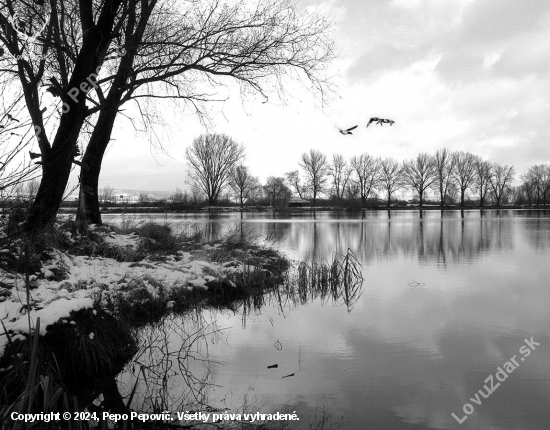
373 119
387 121
347 131
380 121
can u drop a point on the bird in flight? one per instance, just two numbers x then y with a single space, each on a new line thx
347 131
380 121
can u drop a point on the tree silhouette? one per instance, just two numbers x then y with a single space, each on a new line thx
212 158
315 166
96 56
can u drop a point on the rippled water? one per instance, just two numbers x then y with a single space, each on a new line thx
447 298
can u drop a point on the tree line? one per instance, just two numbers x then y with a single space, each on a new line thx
216 165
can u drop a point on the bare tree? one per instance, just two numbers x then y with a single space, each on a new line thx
196 194
353 191
528 187
501 180
178 197
107 194
391 177
340 172
96 56
276 190
293 179
315 166
144 198
536 182
31 187
367 171
243 183
444 164
482 178
464 171
420 173
212 158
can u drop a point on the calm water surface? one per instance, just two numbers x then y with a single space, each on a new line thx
445 301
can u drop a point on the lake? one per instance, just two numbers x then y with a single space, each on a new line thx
447 299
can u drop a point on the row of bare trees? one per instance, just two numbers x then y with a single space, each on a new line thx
445 173
216 164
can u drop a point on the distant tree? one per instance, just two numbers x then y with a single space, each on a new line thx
340 172
367 173
353 191
391 177
243 183
276 191
500 180
178 197
514 195
420 173
537 182
294 181
315 166
144 198
464 171
196 195
444 164
527 188
31 188
482 178
212 158
107 193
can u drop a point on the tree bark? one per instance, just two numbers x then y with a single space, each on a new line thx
55 176
93 157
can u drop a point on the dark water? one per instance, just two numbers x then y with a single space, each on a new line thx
446 300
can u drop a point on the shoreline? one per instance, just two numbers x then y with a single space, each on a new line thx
308 209
87 293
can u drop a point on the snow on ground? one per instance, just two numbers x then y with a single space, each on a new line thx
85 277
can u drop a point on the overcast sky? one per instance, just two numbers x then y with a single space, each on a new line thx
464 74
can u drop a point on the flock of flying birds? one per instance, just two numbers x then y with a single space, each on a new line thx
380 121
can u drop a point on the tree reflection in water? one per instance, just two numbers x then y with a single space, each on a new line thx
173 369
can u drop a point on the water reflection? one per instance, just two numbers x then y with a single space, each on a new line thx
403 357
172 369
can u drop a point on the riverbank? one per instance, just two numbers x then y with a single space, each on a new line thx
130 210
85 293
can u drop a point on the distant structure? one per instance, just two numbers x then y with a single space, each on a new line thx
125 198
298 203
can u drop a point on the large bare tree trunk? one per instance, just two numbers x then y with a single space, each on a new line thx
57 159
93 157
55 175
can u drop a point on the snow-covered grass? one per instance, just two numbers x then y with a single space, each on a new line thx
63 281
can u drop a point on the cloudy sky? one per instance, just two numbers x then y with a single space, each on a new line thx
464 74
